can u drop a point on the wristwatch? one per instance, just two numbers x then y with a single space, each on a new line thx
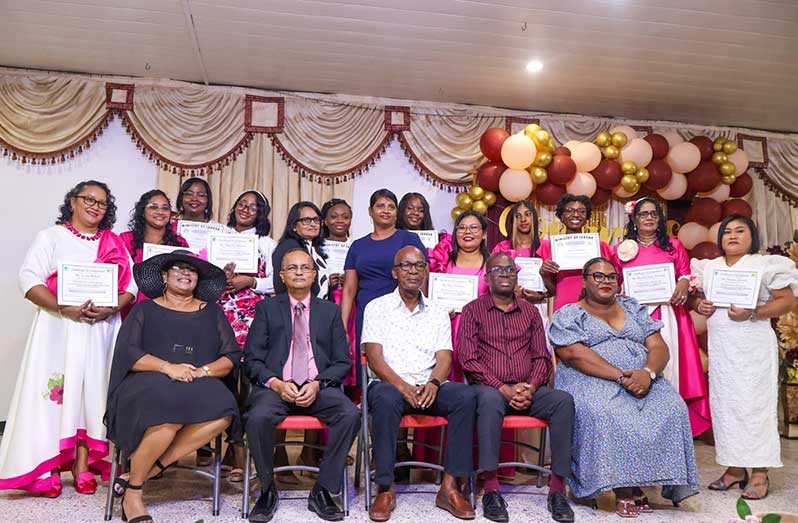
206 370
435 382
620 379
651 373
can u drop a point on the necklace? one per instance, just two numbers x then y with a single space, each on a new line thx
646 243
71 228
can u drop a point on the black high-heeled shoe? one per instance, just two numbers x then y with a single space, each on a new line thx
162 469
138 519
121 484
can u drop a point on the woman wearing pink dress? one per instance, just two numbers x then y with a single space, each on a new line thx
574 212
647 243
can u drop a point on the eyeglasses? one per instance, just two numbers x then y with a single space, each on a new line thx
503 269
244 207
473 228
600 277
156 207
183 269
296 269
192 194
575 212
406 266
307 220
90 201
648 214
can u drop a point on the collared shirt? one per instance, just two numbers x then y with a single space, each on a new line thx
409 339
497 347
287 368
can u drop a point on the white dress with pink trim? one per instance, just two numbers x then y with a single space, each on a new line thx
62 384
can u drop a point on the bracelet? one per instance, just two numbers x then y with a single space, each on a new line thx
435 382
620 379
752 317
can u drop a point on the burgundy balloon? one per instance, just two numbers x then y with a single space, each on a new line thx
704 178
704 145
659 174
706 211
549 193
705 251
607 174
562 170
491 143
737 206
741 186
659 145
601 196
561 151
488 175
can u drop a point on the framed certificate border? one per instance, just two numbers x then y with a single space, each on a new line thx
752 300
647 268
148 250
470 286
558 253
112 269
251 265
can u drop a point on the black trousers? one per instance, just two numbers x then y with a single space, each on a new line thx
265 410
454 401
551 405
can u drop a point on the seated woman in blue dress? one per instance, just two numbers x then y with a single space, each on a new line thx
631 427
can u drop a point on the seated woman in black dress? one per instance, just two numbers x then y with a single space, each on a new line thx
165 398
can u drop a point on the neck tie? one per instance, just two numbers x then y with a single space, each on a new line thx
299 357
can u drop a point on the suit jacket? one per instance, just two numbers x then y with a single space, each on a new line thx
269 340
283 246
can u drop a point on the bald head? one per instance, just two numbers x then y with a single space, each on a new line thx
410 269
498 258
406 253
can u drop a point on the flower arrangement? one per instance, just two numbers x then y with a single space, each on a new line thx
746 516
787 325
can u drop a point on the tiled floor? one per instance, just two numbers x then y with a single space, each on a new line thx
185 498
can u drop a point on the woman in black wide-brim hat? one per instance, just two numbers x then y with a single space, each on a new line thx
165 397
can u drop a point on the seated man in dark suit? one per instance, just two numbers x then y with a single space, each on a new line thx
296 357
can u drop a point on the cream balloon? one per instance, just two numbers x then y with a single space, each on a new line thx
630 133
586 156
622 193
571 144
683 157
638 151
675 188
692 233
515 185
673 138
713 232
699 322
583 184
740 160
518 151
719 193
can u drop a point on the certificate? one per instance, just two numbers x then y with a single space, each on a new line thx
734 287
196 233
81 282
153 249
241 249
452 291
529 275
572 251
428 238
650 284
336 255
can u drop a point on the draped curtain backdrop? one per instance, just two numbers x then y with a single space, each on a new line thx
297 147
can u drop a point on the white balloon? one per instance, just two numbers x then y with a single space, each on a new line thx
673 138
515 185
518 151
719 193
675 188
692 233
713 232
683 157
583 184
586 156
571 144
622 193
630 133
740 160
638 151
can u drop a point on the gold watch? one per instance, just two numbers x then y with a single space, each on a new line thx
206 370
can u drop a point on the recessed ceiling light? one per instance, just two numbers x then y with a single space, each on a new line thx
534 66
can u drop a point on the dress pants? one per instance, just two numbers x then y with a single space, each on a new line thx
265 410
454 401
551 405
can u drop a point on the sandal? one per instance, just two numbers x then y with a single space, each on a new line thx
643 506
751 494
721 485
236 476
626 508
138 519
120 483
162 469
85 483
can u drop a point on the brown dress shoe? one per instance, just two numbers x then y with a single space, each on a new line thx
451 500
383 505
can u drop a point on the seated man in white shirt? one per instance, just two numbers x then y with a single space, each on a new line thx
408 344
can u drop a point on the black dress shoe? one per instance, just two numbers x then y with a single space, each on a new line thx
559 508
494 507
322 503
265 507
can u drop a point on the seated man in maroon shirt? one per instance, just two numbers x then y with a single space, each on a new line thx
502 349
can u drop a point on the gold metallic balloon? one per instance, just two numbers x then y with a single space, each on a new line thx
531 129
611 152
717 145
603 139
729 147
619 139
629 182
550 145
728 180
457 211
489 198
628 167
480 206
642 175
476 192
719 158
464 201
728 169
543 159
541 138
539 175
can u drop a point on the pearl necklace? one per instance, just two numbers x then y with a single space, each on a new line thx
71 228
648 243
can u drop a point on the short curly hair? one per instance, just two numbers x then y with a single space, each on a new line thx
568 198
66 208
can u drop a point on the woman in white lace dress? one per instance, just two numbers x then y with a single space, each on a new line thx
743 359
